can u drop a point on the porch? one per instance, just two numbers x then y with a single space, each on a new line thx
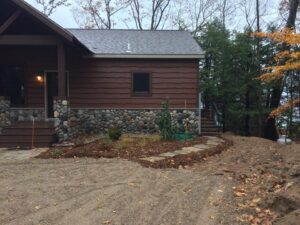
33 80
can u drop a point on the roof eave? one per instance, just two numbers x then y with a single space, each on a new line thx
147 56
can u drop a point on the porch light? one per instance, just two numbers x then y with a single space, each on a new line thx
40 78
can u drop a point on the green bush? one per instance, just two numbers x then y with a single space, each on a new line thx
57 153
165 122
114 133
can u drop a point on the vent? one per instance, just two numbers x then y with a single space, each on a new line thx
129 50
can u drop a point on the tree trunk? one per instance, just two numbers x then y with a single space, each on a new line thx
247 117
294 4
270 128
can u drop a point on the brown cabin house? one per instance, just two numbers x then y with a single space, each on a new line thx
72 81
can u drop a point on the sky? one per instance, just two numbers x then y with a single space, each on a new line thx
64 17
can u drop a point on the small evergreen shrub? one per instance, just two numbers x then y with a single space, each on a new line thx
57 153
114 133
165 122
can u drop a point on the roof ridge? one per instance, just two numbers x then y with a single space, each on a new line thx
96 29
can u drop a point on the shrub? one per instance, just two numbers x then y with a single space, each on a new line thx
114 133
165 122
57 153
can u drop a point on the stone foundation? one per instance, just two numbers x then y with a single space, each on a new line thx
129 120
61 115
70 123
4 112
25 114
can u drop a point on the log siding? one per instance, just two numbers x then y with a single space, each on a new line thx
107 83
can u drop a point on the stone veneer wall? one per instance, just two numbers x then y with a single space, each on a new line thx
25 114
61 122
129 120
4 112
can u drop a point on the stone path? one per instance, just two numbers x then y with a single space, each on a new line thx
211 142
17 155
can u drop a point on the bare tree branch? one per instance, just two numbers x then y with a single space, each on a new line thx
194 14
154 14
98 13
49 6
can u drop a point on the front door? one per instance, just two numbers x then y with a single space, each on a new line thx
51 92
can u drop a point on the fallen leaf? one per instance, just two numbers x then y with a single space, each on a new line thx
239 194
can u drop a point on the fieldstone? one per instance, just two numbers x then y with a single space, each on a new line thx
153 158
56 114
21 118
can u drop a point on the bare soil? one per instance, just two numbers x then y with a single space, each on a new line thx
90 191
254 182
267 176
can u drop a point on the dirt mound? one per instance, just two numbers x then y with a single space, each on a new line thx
267 177
289 219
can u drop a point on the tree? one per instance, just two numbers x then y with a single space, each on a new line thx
253 13
155 15
227 10
288 63
98 13
195 14
227 77
284 9
49 6
284 65
216 73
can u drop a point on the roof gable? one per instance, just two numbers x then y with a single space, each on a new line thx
44 19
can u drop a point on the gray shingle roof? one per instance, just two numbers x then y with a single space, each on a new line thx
115 42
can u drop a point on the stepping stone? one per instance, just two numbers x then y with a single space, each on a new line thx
188 150
211 137
214 143
211 142
168 154
201 146
153 159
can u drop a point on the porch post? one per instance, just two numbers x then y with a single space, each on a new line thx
61 115
61 103
4 112
61 68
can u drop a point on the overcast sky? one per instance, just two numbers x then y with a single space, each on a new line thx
64 16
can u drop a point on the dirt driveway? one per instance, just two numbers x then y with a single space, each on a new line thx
105 191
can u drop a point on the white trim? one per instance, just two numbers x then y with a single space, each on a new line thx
141 56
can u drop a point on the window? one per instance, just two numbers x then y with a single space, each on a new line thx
141 83
12 84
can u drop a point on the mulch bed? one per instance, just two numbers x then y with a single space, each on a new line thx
183 161
135 149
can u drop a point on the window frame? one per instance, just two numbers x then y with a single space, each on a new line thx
141 94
